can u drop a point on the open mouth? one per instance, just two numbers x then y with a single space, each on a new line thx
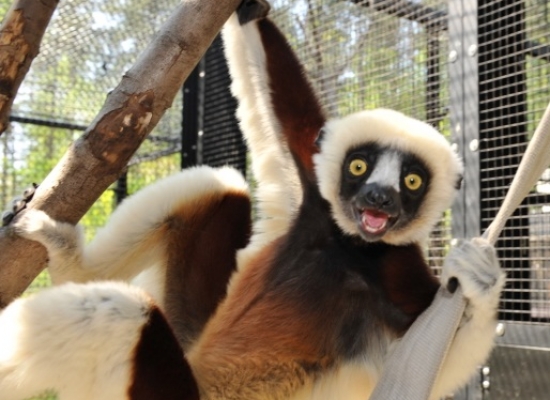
374 222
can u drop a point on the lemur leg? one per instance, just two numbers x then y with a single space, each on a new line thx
91 342
474 263
64 242
188 227
278 109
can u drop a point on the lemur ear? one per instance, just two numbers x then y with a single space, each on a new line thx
251 10
320 136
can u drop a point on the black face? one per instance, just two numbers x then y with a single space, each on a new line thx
382 189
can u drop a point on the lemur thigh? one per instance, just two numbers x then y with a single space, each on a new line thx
91 342
188 226
274 112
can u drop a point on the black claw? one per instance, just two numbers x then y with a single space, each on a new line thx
250 10
452 285
7 217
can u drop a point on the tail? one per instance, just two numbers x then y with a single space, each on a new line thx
90 342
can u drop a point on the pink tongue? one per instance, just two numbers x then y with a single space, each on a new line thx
373 219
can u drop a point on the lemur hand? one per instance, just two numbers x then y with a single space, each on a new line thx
250 10
18 204
475 265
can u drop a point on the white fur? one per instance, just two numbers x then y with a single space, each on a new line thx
121 250
78 339
152 280
278 193
477 269
387 171
393 129
351 381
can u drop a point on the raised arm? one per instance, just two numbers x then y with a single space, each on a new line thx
278 111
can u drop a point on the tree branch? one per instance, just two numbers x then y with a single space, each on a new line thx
130 112
20 37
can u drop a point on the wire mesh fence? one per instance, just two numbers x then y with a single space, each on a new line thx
86 49
361 55
514 91
485 95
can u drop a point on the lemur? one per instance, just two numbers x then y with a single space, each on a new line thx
332 277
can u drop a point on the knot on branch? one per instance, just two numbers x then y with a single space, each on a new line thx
119 132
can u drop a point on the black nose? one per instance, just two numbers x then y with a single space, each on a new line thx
383 198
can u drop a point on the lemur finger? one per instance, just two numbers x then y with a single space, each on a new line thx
487 248
18 204
250 10
29 192
475 266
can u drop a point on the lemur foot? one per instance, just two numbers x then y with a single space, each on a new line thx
18 204
30 223
54 235
250 10
475 265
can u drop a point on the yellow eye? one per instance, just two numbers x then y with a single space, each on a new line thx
413 181
357 167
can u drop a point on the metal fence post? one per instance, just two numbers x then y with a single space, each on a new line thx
464 114
464 110
190 118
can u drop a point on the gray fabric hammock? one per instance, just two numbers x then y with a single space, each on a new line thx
413 366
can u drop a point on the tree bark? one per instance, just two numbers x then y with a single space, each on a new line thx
130 112
20 36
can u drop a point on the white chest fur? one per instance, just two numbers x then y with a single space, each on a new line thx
352 381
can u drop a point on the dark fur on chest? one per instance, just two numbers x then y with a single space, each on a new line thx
352 291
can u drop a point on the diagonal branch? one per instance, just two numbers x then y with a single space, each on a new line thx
20 37
130 112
